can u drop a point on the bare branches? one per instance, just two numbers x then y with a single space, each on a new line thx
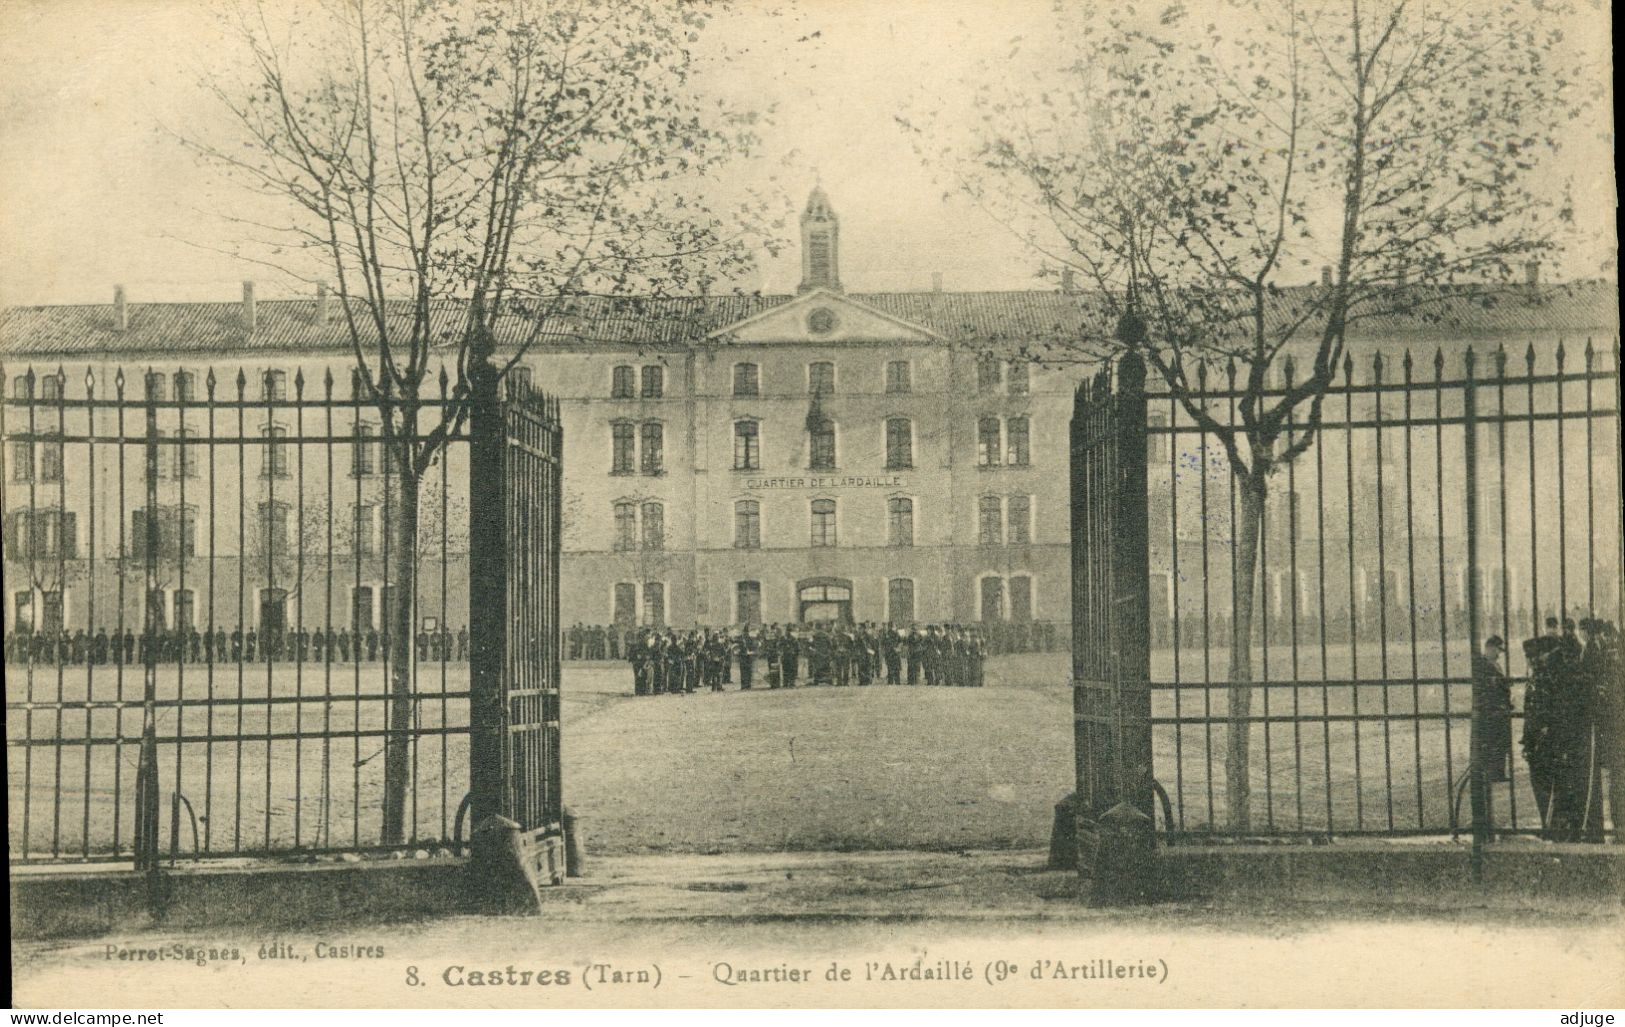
481 152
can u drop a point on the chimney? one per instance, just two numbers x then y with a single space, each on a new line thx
321 303
936 281
121 313
249 320
1326 274
1531 273
1069 284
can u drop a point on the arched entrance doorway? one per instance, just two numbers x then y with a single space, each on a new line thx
824 600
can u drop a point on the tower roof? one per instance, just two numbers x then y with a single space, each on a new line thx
818 205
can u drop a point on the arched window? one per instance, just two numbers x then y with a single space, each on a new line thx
1020 520
1016 379
654 526
623 447
626 525
747 524
654 381
276 386
992 598
746 380
823 522
654 457
276 453
900 518
990 521
654 603
363 456
157 386
899 444
185 386
620 382
1021 598
900 601
625 603
1016 435
747 446
898 376
821 378
748 602
821 445
987 442
987 373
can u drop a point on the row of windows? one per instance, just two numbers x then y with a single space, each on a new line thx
1000 599
999 443
178 608
42 461
156 386
47 534
1003 521
628 382
624 381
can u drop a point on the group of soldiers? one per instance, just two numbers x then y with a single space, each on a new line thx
318 645
1573 724
666 662
614 641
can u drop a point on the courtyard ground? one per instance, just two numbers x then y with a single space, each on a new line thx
974 928
769 770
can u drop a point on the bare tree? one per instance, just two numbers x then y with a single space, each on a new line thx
1191 163
472 174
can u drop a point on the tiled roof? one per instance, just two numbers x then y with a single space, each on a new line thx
970 317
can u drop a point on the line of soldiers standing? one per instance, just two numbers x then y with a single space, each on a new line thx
666 662
1573 724
611 641
304 645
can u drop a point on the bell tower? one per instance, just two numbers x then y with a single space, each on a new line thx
820 244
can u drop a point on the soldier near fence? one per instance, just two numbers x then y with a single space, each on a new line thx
1492 708
1606 675
1597 670
1554 735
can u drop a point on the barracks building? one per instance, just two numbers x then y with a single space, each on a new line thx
889 457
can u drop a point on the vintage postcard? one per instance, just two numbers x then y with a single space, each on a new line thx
977 503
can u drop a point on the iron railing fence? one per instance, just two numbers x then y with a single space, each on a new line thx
1445 500
210 587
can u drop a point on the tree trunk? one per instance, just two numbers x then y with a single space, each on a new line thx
1237 760
398 740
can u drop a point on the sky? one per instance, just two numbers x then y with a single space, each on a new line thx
98 192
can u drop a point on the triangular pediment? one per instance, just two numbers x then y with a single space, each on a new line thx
824 315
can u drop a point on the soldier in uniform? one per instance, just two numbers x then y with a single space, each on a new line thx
658 679
790 657
372 643
98 647
250 644
1549 735
635 655
913 647
1605 669
746 648
1492 700
891 653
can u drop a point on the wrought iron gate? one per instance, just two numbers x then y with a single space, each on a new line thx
1111 702
514 595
